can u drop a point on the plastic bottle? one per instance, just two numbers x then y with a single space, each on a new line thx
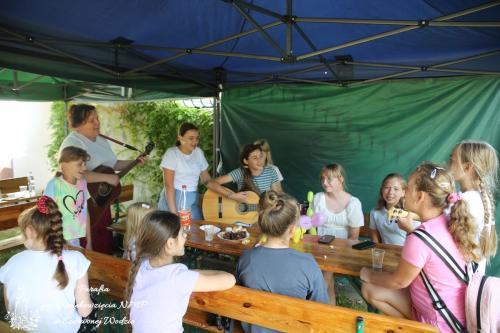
360 324
183 210
31 184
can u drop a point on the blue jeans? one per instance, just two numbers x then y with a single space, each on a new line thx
192 201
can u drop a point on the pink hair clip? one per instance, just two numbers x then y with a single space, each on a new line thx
41 204
454 197
60 258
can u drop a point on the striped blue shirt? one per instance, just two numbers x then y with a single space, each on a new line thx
263 181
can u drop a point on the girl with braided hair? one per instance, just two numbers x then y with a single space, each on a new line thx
274 266
474 164
43 283
402 293
159 289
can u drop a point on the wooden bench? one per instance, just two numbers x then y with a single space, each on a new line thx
253 306
11 185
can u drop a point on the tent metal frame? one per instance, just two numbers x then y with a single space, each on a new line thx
286 55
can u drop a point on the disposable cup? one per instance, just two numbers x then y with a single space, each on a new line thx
377 259
209 233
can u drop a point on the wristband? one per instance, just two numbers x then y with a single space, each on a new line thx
230 195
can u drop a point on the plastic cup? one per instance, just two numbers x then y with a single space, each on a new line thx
209 233
377 259
23 189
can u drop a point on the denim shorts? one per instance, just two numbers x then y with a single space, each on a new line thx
192 197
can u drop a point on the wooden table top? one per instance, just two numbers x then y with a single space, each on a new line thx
10 210
338 257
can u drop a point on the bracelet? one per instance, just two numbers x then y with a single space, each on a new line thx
230 195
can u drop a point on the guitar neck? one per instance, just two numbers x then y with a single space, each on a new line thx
129 167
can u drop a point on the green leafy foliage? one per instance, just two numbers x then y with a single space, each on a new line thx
158 122
57 125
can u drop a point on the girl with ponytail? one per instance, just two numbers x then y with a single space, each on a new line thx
474 164
274 266
402 293
159 289
43 283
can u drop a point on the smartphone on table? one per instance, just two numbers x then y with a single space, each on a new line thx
326 239
364 245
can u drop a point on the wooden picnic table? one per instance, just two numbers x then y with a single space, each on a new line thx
10 210
338 257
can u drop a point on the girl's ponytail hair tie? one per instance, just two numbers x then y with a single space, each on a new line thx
454 197
41 204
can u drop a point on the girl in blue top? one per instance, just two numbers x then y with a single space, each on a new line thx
392 192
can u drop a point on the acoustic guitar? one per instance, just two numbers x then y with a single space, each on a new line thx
103 194
219 208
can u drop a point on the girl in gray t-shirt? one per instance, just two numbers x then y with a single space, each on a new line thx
275 267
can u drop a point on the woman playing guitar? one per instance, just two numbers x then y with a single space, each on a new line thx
84 121
253 175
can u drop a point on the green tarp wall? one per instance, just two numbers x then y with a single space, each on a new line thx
371 130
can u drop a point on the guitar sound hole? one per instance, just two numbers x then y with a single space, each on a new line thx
104 189
243 207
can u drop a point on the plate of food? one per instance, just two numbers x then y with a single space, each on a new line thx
233 234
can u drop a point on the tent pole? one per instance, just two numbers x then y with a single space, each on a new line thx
204 46
400 30
262 31
256 8
50 48
65 91
30 82
14 80
216 133
313 47
289 28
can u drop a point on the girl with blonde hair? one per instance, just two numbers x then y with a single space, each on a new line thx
135 215
274 266
474 164
343 212
402 293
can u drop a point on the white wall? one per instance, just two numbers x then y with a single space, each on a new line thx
24 137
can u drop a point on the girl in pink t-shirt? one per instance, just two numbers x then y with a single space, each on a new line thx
402 293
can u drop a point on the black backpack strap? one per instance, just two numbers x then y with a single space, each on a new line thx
440 306
437 301
478 302
442 253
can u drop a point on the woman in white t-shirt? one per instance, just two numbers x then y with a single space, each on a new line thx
183 164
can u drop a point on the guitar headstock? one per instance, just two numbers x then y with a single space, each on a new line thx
394 213
149 148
